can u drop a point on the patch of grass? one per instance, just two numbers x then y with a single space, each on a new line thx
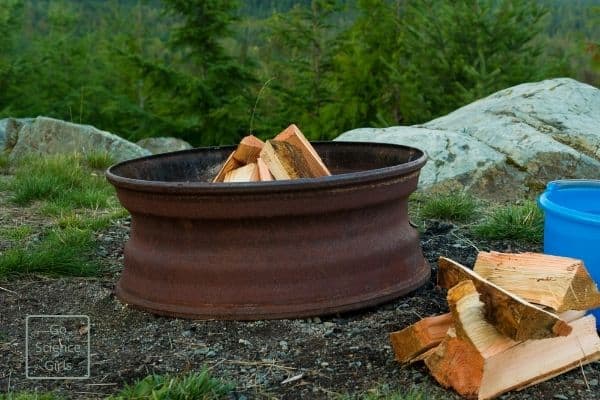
458 207
383 392
99 159
198 385
95 223
4 162
16 233
29 396
60 252
62 181
82 203
524 222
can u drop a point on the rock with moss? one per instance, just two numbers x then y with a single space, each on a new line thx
157 145
52 136
523 137
452 156
548 130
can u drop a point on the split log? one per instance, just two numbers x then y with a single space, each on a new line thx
294 136
248 149
229 165
459 360
479 362
469 321
285 161
535 361
409 343
456 364
511 315
560 283
263 171
247 173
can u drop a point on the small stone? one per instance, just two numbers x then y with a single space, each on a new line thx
561 397
244 342
186 333
211 354
328 324
284 345
324 364
317 320
593 382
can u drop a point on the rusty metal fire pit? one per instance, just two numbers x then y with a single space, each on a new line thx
269 249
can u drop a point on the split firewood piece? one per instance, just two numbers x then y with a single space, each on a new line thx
560 283
411 342
535 361
478 361
263 171
248 149
467 311
285 161
459 360
294 136
229 165
456 364
511 315
247 173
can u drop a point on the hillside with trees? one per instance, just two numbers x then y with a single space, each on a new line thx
210 71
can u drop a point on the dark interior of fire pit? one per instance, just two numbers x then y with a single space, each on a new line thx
340 158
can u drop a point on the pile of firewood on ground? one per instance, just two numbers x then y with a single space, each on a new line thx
287 156
515 320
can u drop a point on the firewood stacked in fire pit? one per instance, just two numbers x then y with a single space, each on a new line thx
288 156
514 321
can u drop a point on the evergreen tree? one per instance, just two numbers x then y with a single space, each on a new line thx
211 91
363 64
301 43
461 50
10 18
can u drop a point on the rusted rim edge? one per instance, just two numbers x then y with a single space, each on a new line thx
250 313
377 174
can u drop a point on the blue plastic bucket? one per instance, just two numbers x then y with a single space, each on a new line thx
572 223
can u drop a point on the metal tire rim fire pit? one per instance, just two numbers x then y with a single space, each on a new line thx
269 250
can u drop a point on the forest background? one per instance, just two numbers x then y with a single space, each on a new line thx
212 71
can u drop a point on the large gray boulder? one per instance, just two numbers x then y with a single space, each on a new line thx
52 136
451 154
157 145
9 130
537 131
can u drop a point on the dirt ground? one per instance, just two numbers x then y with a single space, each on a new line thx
334 355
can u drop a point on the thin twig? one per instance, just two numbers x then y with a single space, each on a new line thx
101 384
9 291
587 385
581 364
221 361
256 102
467 241
259 364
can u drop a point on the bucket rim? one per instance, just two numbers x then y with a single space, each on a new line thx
548 205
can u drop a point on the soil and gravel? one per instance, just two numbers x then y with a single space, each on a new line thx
328 355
